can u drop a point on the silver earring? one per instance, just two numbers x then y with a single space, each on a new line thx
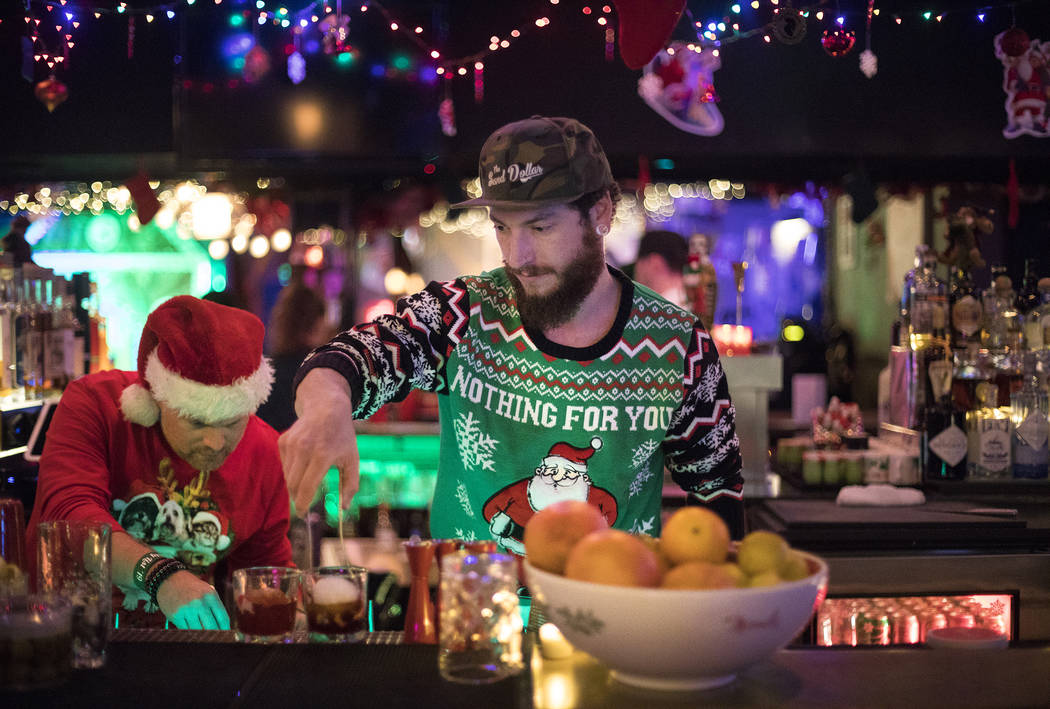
602 230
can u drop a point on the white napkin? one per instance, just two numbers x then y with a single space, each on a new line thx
879 495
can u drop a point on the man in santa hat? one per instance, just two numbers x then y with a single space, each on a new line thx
555 343
183 428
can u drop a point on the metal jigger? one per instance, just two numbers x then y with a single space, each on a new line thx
420 616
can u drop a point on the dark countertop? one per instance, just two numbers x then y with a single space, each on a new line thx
202 669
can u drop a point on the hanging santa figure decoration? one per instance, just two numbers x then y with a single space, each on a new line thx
679 85
1026 82
51 92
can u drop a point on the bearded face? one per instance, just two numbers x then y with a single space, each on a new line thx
554 483
574 282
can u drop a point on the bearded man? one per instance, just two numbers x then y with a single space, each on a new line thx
554 343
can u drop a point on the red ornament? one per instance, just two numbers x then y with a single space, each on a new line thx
51 92
256 64
838 42
1014 42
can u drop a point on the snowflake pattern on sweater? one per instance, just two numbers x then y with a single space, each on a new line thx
525 420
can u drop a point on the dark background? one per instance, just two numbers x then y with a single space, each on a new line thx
933 112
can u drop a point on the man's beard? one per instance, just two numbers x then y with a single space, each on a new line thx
575 282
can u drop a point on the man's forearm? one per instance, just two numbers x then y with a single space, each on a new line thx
126 553
323 387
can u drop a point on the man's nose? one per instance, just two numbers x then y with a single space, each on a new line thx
517 249
213 438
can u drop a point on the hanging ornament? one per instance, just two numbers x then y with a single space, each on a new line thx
256 64
1024 63
335 30
51 92
679 85
789 26
838 42
869 63
296 67
447 116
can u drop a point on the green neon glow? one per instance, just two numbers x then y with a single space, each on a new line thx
401 62
345 58
400 471
236 20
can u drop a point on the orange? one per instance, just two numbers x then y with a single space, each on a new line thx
761 551
614 557
552 532
654 544
699 574
695 534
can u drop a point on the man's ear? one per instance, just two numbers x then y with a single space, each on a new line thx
601 213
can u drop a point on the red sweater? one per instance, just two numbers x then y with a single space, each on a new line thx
97 466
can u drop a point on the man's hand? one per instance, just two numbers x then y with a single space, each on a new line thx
192 604
322 438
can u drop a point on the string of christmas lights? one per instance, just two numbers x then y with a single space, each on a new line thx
726 28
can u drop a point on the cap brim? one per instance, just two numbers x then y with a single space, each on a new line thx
512 204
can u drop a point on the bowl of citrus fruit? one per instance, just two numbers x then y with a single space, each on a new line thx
687 610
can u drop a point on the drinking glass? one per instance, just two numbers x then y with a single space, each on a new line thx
336 600
36 644
480 629
73 561
265 598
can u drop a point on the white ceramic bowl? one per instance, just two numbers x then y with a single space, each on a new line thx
679 639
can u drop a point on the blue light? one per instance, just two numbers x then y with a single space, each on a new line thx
237 45
170 14
428 75
980 16
304 23
312 46
69 16
711 26
841 20
11 479
735 8
663 164
378 70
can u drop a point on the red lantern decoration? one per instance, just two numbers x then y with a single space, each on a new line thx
51 92
1014 42
838 42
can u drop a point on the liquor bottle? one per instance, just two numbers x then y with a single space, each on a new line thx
988 452
33 355
944 440
909 280
1031 418
965 312
63 343
21 331
700 280
927 306
1028 297
44 296
1037 322
8 351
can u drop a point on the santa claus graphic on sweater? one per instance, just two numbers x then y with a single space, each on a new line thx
561 475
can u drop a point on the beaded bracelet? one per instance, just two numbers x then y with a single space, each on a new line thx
143 567
160 574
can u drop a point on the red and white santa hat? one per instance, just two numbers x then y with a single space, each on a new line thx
221 525
200 358
569 456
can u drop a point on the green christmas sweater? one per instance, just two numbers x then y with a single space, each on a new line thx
526 421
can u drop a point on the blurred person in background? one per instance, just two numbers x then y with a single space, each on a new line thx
297 325
661 261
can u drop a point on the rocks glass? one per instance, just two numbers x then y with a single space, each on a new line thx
265 599
336 601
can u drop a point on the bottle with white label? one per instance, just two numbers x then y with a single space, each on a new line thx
944 440
988 452
1031 419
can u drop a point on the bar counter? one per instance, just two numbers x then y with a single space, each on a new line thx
201 669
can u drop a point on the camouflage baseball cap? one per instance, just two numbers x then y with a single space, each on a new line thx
540 161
